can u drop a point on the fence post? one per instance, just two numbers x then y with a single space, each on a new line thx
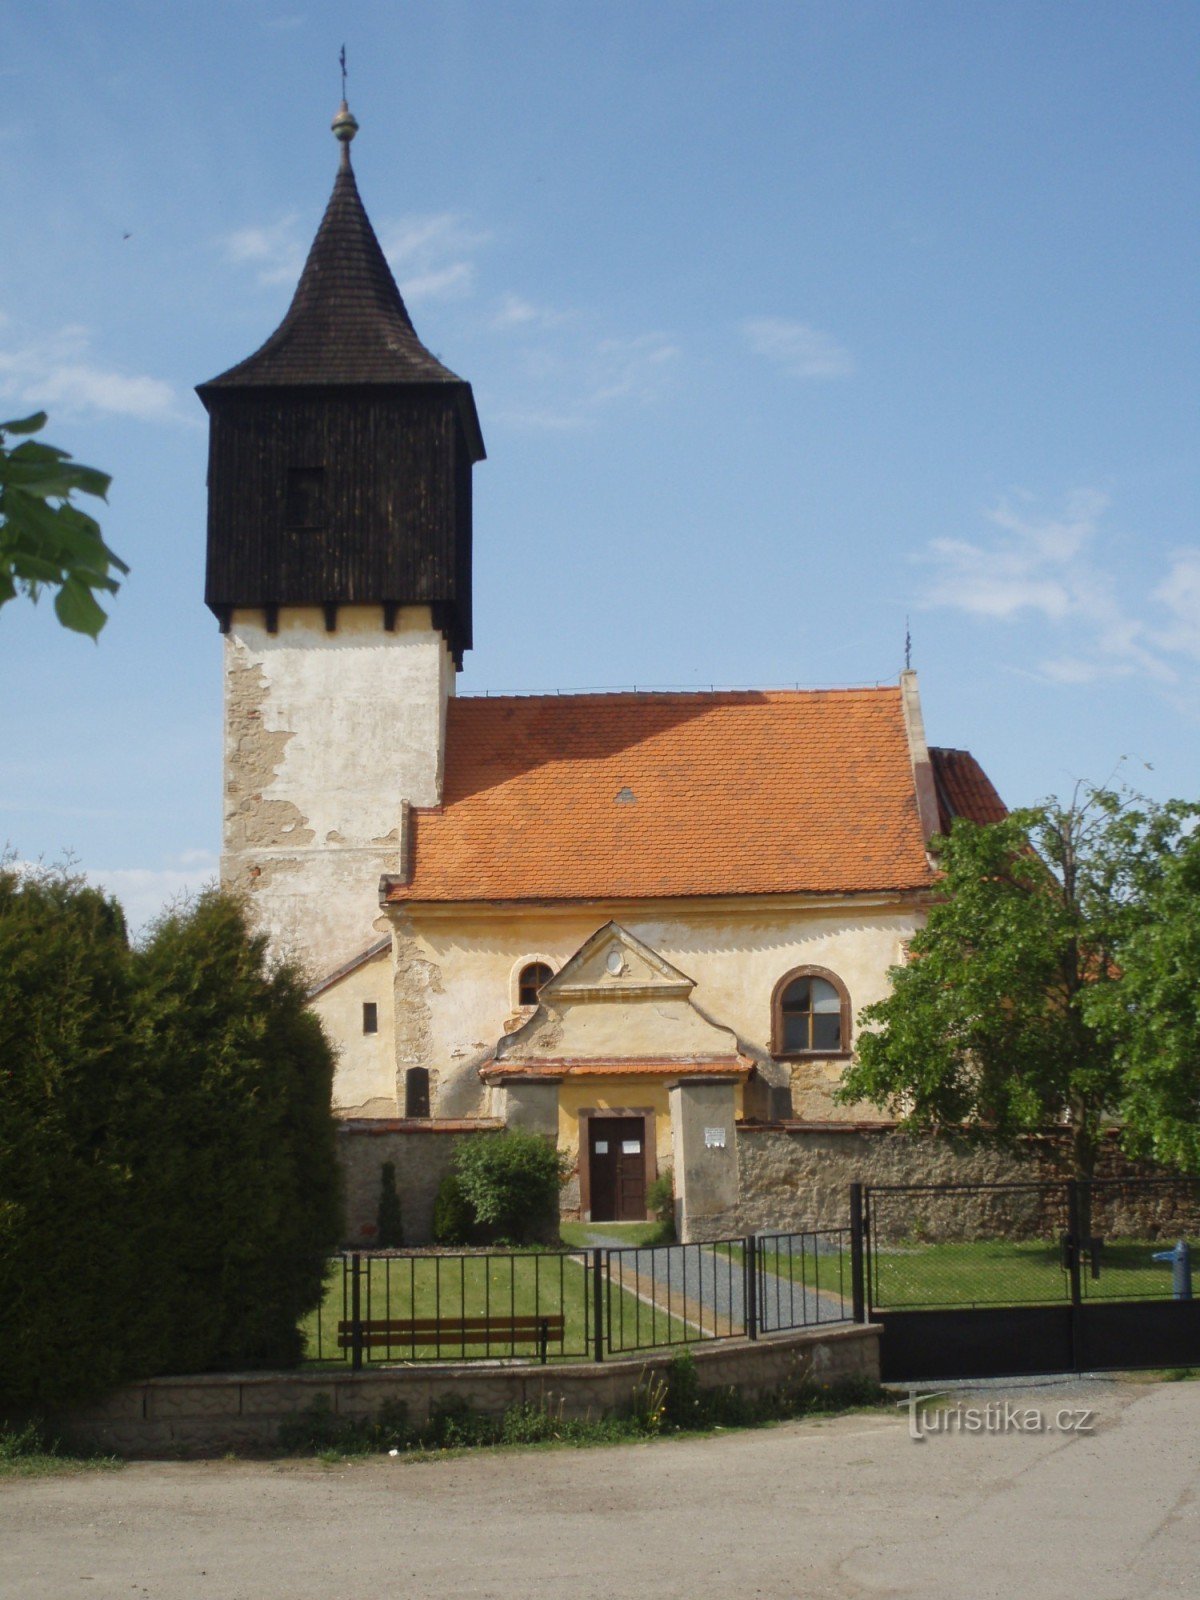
597 1304
750 1277
1074 1243
356 1328
858 1276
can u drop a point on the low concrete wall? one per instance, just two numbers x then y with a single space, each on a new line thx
209 1415
423 1153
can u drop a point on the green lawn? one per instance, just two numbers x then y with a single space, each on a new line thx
495 1285
582 1235
1000 1272
982 1272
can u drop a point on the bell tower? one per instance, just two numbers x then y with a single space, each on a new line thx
339 570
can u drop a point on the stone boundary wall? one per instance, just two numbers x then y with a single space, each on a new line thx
212 1414
422 1152
798 1176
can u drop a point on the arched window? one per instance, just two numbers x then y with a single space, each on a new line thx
812 1015
533 976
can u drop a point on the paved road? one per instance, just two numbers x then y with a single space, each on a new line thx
843 1509
702 1277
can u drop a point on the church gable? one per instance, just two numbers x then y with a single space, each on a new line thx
615 964
617 1005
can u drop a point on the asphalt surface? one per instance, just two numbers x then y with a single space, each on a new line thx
835 1509
699 1275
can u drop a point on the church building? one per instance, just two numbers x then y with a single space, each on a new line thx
637 923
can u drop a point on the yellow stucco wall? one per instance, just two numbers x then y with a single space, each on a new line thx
632 1093
365 1079
454 970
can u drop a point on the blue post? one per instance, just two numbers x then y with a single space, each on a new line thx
1181 1269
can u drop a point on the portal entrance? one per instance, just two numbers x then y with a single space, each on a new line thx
617 1168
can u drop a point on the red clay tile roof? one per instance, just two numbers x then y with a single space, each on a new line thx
580 797
964 789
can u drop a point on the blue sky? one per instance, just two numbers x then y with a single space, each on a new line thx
786 322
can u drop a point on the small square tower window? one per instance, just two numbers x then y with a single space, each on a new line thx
370 1016
305 503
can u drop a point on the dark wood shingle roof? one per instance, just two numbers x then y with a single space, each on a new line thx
347 323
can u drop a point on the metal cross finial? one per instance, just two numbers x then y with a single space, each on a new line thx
907 647
344 124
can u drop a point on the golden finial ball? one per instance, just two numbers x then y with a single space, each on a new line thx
344 125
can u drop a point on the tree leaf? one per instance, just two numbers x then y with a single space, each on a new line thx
25 424
76 608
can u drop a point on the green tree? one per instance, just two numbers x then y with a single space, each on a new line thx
993 1021
235 1084
66 1254
168 1187
1152 1016
45 539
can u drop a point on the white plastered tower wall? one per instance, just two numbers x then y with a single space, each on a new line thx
330 738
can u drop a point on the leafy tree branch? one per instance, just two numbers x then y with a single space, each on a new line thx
46 541
1016 1009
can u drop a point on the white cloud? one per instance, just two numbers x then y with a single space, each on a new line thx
634 368
145 892
58 373
274 249
573 374
1180 594
516 312
1047 567
797 347
432 255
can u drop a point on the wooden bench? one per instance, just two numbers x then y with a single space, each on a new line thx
487 1331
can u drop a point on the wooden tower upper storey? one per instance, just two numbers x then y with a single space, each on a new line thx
340 453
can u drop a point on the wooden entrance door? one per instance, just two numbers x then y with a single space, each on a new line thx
617 1168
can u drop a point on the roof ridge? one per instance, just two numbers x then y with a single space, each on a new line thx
575 696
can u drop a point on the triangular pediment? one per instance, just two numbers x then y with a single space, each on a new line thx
618 1001
613 961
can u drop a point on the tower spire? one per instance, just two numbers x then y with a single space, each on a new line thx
344 124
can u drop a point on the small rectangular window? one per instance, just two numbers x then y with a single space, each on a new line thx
370 1017
305 504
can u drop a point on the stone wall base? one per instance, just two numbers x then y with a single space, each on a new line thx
213 1414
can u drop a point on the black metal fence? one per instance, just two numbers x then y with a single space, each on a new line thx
391 1306
1014 1244
983 1280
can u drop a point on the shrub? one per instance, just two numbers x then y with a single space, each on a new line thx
660 1202
452 1216
389 1220
511 1181
67 1176
167 1179
236 1077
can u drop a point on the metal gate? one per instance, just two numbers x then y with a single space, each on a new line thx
1012 1279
